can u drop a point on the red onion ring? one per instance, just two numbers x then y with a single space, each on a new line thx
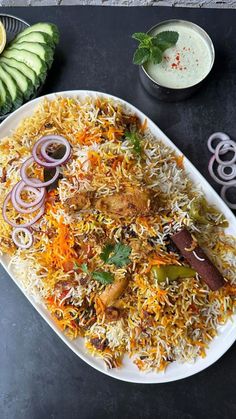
31 182
31 207
227 176
211 171
50 161
61 141
219 149
15 233
218 136
223 195
27 224
21 186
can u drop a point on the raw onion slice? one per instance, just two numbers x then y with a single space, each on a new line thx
31 207
223 195
213 175
46 141
221 170
21 187
218 151
30 181
218 136
15 237
12 223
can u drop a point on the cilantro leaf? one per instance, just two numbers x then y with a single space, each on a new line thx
103 277
76 266
84 268
106 252
134 139
141 55
118 256
151 48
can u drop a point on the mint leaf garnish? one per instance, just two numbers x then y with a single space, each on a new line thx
151 48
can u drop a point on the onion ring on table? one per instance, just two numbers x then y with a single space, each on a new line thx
218 136
219 149
227 176
46 141
31 207
223 195
213 175
12 223
29 182
21 186
16 232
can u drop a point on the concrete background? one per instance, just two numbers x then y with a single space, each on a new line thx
173 3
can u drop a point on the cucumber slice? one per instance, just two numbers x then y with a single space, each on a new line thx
30 59
43 51
25 85
15 93
5 99
48 28
41 37
28 72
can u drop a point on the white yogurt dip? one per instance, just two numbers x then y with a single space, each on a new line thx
185 64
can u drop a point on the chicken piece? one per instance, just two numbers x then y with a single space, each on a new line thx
113 291
112 314
131 202
79 202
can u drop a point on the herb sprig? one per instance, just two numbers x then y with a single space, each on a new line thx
112 254
151 48
101 276
117 254
134 138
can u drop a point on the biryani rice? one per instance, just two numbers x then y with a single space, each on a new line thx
160 322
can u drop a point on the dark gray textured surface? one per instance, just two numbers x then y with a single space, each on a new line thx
40 377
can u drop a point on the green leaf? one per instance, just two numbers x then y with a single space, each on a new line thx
166 37
120 256
117 254
103 277
141 36
156 55
151 48
165 40
141 55
106 252
84 268
134 138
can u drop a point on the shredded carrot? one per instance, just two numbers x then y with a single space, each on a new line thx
180 161
94 158
117 161
59 249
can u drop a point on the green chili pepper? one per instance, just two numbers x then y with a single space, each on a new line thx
172 272
200 212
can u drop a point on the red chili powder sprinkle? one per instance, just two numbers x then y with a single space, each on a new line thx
177 63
